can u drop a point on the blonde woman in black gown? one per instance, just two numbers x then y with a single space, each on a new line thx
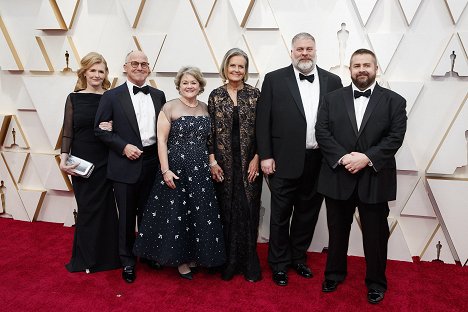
95 245
235 165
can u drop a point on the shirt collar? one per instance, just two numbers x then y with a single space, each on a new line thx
371 88
130 86
313 72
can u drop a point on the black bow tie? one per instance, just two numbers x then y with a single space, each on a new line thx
358 94
144 89
309 78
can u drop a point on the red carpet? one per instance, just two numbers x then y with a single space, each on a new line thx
33 278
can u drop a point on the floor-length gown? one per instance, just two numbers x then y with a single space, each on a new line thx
183 225
95 244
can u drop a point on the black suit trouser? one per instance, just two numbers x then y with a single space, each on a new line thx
375 234
131 199
295 206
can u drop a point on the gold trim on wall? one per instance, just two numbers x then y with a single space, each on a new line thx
41 45
58 14
77 3
11 45
247 13
138 15
4 128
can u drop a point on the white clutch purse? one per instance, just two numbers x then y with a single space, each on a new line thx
84 169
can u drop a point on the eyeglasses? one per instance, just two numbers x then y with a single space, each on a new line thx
135 64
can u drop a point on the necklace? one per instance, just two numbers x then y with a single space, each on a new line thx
189 105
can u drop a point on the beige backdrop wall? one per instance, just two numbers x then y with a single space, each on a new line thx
415 41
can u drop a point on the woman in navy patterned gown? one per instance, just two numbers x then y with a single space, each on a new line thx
181 224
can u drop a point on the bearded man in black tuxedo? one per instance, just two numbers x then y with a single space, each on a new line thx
289 154
359 130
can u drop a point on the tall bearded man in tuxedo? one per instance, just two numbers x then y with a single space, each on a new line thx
133 158
359 130
289 154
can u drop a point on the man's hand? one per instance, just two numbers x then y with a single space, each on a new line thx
355 161
268 166
132 152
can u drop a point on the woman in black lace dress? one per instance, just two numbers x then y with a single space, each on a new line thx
181 223
235 165
95 245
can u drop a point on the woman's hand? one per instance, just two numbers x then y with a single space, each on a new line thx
68 169
106 125
217 173
253 169
169 177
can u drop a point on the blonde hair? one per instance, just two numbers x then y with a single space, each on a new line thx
225 63
192 71
86 63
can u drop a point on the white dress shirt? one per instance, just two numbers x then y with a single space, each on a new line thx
310 95
145 115
360 104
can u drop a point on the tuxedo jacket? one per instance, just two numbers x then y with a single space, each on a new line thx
281 123
116 105
380 136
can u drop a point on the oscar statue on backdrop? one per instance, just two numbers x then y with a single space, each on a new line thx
3 211
438 248
342 70
452 73
67 59
75 216
13 133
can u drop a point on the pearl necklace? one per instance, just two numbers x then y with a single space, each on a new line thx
186 104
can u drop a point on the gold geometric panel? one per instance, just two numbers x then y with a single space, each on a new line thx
242 9
49 172
418 232
452 151
456 8
385 46
15 162
50 17
195 41
50 103
453 62
59 50
410 90
261 16
67 10
4 123
32 200
437 248
419 204
15 137
262 42
364 9
9 58
452 200
132 10
203 9
10 199
56 207
151 44
409 8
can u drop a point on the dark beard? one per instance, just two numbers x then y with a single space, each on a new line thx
364 84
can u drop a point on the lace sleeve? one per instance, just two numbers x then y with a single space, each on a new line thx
67 128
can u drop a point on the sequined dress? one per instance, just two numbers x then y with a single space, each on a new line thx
183 225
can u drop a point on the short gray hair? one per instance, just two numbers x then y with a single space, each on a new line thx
302 35
192 71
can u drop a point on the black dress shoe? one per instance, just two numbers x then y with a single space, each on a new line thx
280 278
303 270
153 264
187 275
329 285
374 296
128 274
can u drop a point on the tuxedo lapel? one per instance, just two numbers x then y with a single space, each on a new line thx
291 82
323 84
127 105
374 99
349 103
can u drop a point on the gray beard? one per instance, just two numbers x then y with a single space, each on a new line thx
305 66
